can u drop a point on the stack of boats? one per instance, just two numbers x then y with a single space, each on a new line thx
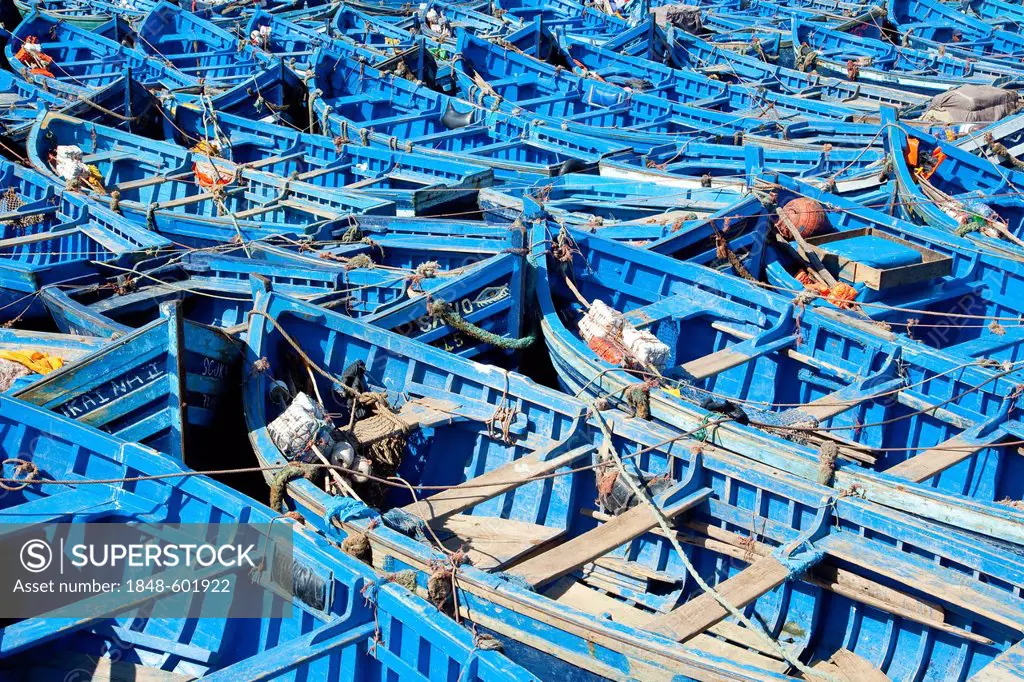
618 340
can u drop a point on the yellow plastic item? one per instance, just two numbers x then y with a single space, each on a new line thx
38 362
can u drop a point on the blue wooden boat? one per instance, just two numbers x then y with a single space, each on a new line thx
459 287
123 103
844 55
685 164
134 388
886 269
94 15
685 234
231 15
604 203
512 81
203 371
439 20
746 33
685 51
273 94
998 13
192 196
781 365
394 32
595 583
462 293
369 30
934 21
355 98
346 622
694 88
416 183
567 16
194 46
295 43
50 237
903 274
951 189
76 56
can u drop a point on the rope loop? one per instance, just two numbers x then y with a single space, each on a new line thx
29 469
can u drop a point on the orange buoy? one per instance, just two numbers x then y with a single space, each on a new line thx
807 215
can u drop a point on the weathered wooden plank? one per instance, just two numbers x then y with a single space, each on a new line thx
847 666
842 581
314 209
928 463
700 613
97 669
493 483
734 356
582 549
490 542
153 180
830 405
979 599
570 593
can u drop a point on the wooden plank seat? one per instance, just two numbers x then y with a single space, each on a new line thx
933 461
497 481
582 549
846 666
490 542
700 613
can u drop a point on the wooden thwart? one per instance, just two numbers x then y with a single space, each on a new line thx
847 666
727 358
569 592
842 581
95 668
924 465
700 613
490 542
493 483
583 549
828 406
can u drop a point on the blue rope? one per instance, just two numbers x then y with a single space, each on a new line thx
343 509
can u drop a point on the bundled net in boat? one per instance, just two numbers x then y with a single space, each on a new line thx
779 423
608 333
